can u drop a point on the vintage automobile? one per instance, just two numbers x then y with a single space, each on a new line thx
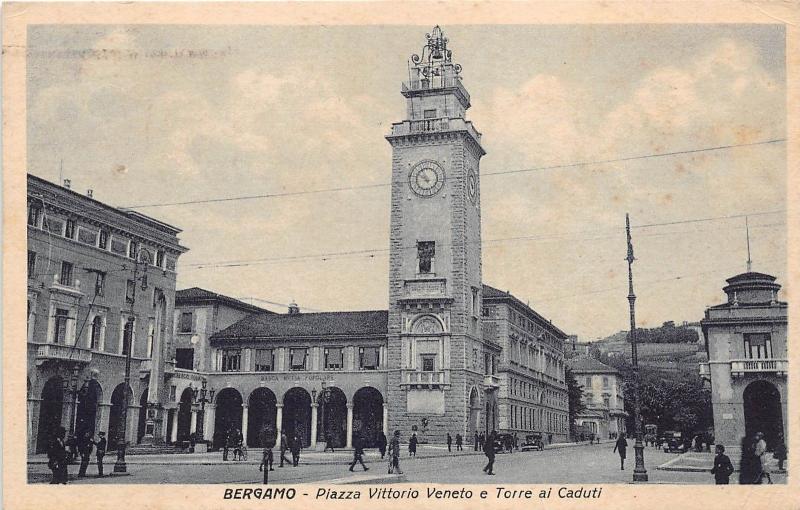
533 442
673 442
504 443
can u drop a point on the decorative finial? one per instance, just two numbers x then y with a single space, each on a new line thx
749 260
435 55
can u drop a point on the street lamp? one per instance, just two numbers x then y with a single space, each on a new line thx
639 471
120 466
202 400
324 399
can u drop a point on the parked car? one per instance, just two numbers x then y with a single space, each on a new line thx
673 442
533 442
503 443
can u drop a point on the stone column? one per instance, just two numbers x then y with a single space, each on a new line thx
349 425
245 415
314 425
33 422
173 436
386 419
193 422
104 412
278 422
210 421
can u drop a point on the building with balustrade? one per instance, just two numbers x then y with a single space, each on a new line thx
745 339
101 284
603 398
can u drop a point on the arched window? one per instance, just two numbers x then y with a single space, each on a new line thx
95 333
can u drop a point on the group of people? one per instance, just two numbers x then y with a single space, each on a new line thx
754 465
234 443
459 442
59 455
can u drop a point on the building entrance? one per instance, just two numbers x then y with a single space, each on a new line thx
50 410
762 411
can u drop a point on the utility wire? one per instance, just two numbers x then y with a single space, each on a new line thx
536 237
502 172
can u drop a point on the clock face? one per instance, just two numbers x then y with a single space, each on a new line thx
472 185
426 178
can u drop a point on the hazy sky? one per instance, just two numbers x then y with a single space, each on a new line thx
257 110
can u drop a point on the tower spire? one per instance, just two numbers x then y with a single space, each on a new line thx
749 260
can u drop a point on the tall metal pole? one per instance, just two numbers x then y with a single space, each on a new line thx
120 466
639 471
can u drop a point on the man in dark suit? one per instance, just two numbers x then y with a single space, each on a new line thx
101 452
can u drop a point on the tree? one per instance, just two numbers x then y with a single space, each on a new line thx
574 397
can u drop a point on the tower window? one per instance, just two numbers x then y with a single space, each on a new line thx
429 114
428 363
758 346
426 252
66 274
186 322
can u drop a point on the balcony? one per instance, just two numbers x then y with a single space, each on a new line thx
437 125
435 379
491 382
56 352
437 84
740 367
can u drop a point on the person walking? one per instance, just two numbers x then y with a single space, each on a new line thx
488 450
266 460
57 456
284 446
481 441
328 443
382 444
477 438
723 468
85 447
780 452
358 453
394 454
412 445
516 441
101 445
459 442
296 445
760 451
621 446
449 442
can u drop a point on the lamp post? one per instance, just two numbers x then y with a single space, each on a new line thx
639 471
202 400
120 466
324 398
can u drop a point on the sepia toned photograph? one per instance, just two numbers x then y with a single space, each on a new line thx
362 255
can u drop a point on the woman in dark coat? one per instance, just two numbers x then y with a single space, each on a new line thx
57 457
412 445
382 444
621 446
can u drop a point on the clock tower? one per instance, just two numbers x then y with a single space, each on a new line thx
435 252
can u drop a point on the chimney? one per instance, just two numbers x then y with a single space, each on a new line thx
293 308
89 193
67 183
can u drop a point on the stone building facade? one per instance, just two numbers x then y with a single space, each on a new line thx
532 391
602 395
100 279
746 342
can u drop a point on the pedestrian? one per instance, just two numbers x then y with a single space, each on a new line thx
488 450
85 447
72 444
412 445
284 446
476 441
100 452
382 444
57 456
266 460
748 462
481 441
449 442
394 454
516 441
226 442
779 451
328 442
296 444
760 451
621 446
723 468
591 438
358 453
459 442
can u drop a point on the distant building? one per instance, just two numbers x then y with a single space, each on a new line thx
745 339
602 395
99 279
